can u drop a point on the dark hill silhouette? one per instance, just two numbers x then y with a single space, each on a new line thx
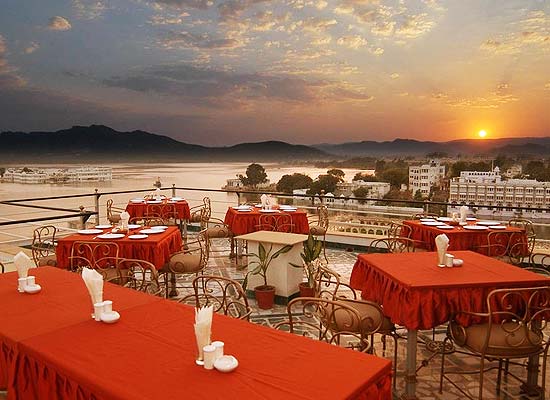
101 143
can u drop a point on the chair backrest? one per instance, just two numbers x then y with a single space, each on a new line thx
497 244
520 248
43 242
139 275
110 208
102 256
523 224
267 222
322 213
148 221
225 295
539 263
392 245
327 283
332 321
399 230
166 212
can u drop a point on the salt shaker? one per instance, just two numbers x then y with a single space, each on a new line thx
209 354
449 258
98 310
21 284
31 280
107 306
219 349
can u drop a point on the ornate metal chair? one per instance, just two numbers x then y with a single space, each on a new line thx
328 285
43 246
319 226
113 213
539 263
166 212
392 245
266 222
201 214
332 321
520 251
225 295
399 230
191 260
139 275
101 256
511 327
497 245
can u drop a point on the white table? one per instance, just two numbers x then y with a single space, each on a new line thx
280 273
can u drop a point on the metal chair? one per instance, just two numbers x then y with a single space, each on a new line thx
166 212
319 226
520 250
101 256
43 246
328 285
497 245
539 263
225 295
139 275
509 328
392 245
201 213
113 213
399 230
191 260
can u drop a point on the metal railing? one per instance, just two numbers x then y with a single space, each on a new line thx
349 213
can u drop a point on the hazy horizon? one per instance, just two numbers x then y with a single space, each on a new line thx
221 72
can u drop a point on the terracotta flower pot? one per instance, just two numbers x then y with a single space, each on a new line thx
265 296
306 290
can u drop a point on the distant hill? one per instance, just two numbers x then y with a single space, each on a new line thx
404 147
101 143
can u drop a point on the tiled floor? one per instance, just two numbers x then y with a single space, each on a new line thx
428 375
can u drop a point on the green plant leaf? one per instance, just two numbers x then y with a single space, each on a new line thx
261 252
282 250
245 281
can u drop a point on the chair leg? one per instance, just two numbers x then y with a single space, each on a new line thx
499 375
394 361
442 372
481 373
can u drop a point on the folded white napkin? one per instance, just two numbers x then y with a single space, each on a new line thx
441 243
463 213
124 218
203 327
22 263
94 283
158 194
263 199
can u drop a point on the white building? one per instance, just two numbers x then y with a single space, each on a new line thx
58 175
491 190
425 176
376 190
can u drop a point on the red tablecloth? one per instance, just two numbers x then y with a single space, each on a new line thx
459 238
64 301
156 249
150 354
137 210
242 222
418 294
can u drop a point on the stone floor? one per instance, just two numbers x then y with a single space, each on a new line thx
428 376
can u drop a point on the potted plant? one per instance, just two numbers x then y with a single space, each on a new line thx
265 294
312 250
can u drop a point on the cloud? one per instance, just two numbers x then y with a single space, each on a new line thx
215 88
318 25
89 9
31 48
414 26
232 9
352 41
547 86
198 4
394 75
531 32
58 23
179 40
8 74
168 19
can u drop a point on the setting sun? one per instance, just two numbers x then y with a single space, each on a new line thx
482 134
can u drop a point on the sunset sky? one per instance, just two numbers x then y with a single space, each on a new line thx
220 72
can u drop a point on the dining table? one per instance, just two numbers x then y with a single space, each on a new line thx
418 294
242 221
156 248
139 207
470 236
51 348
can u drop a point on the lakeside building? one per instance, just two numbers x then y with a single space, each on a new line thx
235 184
376 190
489 189
422 178
58 175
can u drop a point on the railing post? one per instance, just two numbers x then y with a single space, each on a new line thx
238 198
173 190
96 201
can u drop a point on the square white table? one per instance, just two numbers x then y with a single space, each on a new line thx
280 273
